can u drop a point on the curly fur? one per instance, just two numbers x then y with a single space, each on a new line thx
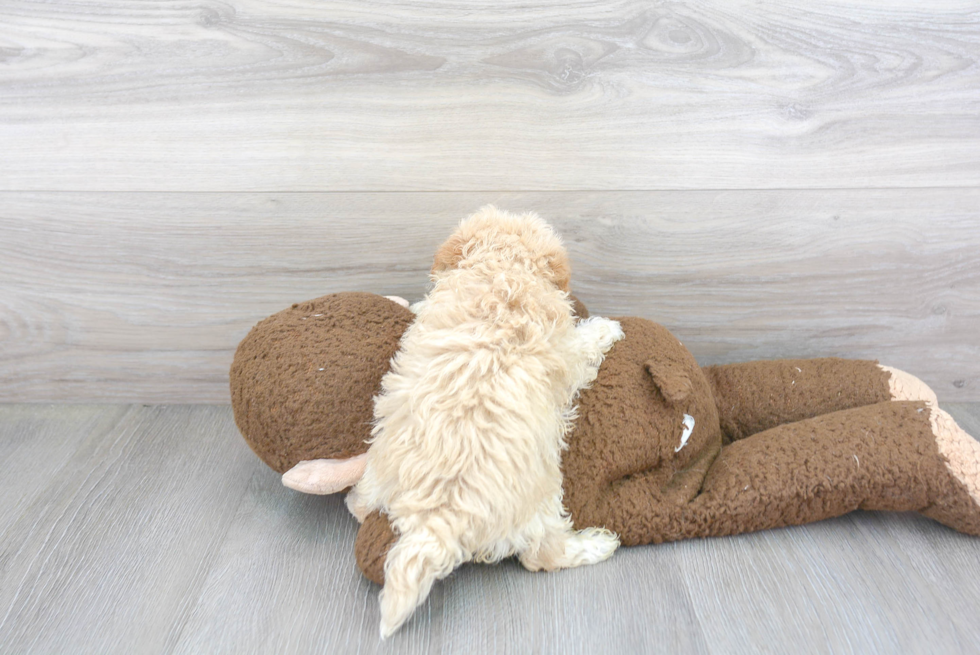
466 449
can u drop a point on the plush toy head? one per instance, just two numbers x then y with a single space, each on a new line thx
303 380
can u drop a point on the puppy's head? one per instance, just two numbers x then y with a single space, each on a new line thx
523 239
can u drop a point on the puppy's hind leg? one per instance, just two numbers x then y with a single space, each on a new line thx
562 547
413 564
365 497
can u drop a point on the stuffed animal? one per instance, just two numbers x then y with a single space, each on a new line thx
662 449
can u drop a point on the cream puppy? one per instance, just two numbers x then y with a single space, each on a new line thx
466 449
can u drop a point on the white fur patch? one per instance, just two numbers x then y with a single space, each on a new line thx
688 429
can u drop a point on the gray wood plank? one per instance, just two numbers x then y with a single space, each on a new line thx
36 445
108 559
286 582
636 602
143 297
840 586
350 95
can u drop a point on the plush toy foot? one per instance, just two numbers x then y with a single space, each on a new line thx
325 476
959 506
905 386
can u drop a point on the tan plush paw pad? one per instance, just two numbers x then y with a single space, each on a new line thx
959 449
905 386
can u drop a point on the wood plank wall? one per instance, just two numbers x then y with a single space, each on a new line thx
767 179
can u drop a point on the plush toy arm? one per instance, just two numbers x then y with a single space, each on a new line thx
756 396
898 456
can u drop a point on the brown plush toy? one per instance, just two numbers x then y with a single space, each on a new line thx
662 449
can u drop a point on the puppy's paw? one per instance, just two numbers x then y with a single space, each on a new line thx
611 333
569 549
590 546
603 332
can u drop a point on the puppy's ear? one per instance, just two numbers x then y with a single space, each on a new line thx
449 254
672 381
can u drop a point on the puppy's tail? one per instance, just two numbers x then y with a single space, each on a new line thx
414 563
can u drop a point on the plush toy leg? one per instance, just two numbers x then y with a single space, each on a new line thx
371 547
902 456
756 396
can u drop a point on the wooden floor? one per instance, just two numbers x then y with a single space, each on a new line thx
135 529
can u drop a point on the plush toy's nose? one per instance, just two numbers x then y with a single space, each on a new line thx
325 476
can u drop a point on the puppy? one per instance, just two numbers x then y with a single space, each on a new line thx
469 426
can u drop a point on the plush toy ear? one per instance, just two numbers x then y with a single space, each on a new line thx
398 300
673 381
325 476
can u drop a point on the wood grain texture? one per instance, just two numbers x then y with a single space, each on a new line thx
162 533
37 446
249 95
108 558
143 297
